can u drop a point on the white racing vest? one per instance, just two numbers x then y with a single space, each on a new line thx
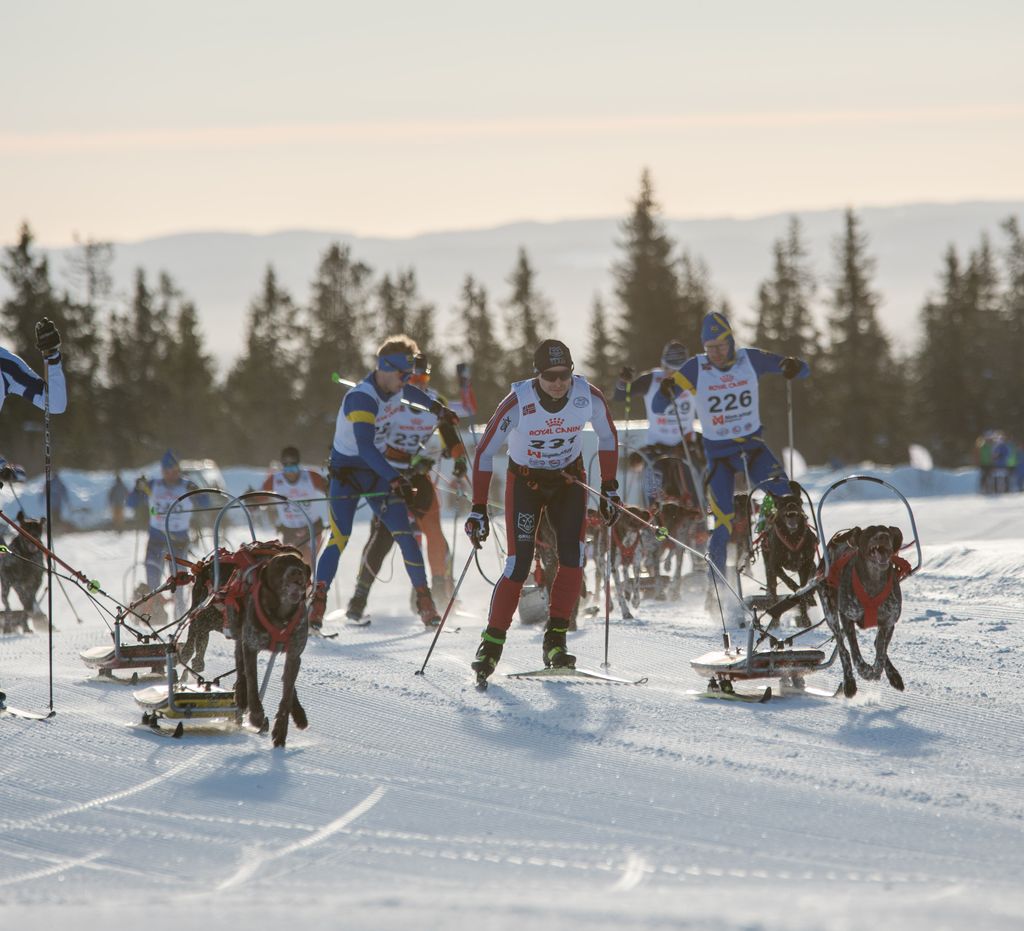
291 514
727 402
549 441
408 433
344 434
664 427
161 497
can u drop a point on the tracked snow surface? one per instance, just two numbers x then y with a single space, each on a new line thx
417 802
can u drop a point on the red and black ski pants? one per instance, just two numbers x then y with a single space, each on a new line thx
527 494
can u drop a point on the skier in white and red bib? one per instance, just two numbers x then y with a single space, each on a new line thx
300 486
542 421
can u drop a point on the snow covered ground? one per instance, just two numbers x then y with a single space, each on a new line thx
418 802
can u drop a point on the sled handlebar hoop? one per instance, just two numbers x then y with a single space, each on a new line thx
877 481
240 501
190 494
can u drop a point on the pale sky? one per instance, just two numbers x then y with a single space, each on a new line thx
122 120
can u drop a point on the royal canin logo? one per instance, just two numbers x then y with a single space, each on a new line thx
529 409
555 421
718 419
727 377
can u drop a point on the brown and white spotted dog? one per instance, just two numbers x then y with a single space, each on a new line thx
862 590
22 568
271 616
789 545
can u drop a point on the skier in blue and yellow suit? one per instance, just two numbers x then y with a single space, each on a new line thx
358 468
724 380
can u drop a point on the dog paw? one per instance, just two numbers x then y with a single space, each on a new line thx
895 679
280 734
849 687
299 716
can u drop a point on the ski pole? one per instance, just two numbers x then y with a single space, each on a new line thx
338 380
447 611
607 593
48 468
698 481
789 413
661 534
625 475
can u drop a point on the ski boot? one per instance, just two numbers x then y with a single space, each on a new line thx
357 604
318 606
492 640
425 607
555 653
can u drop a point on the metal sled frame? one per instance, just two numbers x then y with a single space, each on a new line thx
207 700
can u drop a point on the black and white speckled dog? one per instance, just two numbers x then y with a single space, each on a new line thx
862 590
22 570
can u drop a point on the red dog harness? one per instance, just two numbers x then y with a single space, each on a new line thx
279 636
898 571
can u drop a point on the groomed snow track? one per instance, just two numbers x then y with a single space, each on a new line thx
419 802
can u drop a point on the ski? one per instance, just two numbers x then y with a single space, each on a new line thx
573 672
363 621
7 711
320 635
730 694
786 690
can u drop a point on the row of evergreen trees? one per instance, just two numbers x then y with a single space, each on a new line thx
142 379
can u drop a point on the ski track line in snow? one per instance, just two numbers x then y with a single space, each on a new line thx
52 870
259 859
104 799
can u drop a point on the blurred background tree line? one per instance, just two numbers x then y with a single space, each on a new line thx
141 379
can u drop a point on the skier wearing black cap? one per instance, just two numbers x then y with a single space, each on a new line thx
542 421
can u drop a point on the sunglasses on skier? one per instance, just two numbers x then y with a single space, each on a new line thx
553 375
397 362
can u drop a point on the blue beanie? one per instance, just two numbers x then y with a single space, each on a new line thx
169 460
716 329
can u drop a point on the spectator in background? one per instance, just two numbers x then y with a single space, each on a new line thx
983 457
117 496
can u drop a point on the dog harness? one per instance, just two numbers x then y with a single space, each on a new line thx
279 636
899 569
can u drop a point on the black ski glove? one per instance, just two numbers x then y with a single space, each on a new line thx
790 367
47 338
461 468
610 492
444 414
668 387
402 488
478 526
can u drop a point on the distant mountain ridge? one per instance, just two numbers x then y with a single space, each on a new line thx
222 271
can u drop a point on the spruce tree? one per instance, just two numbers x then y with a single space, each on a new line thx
785 325
196 412
696 300
1010 349
528 319
861 418
647 284
601 367
339 331
480 348
263 384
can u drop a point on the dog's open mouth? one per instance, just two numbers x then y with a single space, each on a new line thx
880 554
